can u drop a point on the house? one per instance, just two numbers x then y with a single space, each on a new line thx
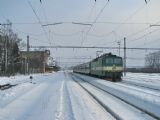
34 61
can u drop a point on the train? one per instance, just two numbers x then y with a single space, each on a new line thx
106 66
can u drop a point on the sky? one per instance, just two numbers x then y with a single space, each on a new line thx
118 19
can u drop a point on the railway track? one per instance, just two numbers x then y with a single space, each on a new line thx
144 111
140 89
142 85
98 101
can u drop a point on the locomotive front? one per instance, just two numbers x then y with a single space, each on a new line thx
113 67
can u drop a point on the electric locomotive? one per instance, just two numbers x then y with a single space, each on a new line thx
107 66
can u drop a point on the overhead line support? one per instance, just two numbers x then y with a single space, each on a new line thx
94 47
124 57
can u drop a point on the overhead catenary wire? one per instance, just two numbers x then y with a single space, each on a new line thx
46 19
83 37
69 34
28 33
47 23
94 47
39 20
142 36
140 31
84 23
41 34
125 21
95 20
150 42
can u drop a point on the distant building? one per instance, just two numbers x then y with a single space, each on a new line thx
52 65
34 61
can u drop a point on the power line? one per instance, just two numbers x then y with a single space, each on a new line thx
95 20
83 37
64 35
40 34
47 23
142 30
94 47
120 24
98 16
56 23
27 33
150 42
73 58
39 21
127 20
132 58
140 37
46 19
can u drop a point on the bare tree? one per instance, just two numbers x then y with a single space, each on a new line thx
9 49
152 60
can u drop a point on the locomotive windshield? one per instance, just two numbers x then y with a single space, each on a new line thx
116 61
109 61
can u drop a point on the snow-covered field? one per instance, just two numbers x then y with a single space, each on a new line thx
63 96
143 77
52 97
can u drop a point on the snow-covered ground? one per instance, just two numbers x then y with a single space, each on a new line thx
151 81
146 100
19 78
59 96
143 77
51 97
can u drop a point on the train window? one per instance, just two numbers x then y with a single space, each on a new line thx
109 61
118 61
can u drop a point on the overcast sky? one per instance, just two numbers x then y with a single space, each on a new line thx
119 19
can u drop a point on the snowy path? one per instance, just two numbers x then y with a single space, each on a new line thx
54 97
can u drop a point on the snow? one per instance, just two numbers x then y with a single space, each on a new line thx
51 97
143 100
87 108
56 96
122 110
151 81
150 78
18 79
141 88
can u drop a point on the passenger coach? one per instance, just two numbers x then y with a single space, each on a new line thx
107 66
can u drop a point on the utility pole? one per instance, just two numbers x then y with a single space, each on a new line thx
124 56
6 55
119 43
25 65
27 43
27 54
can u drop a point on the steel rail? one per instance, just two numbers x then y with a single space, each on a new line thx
125 101
140 85
113 114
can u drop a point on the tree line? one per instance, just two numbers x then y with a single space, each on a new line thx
9 49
